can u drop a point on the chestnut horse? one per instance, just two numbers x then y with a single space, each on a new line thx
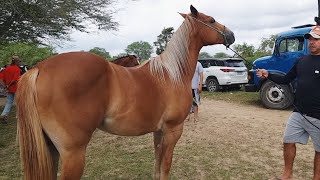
64 99
127 61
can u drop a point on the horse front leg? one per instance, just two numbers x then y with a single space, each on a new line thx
157 140
165 142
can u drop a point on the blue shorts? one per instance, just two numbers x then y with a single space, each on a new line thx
299 129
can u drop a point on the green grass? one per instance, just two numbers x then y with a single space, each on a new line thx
9 152
241 97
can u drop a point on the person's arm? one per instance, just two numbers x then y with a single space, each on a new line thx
200 81
200 77
16 76
12 82
277 78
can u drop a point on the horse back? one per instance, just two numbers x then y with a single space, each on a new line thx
70 89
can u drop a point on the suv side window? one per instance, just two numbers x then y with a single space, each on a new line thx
204 63
291 45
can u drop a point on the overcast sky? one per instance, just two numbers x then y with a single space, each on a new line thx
250 20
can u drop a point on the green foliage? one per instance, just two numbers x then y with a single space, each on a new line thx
244 49
163 39
266 46
101 52
203 55
142 49
30 53
35 21
250 54
221 55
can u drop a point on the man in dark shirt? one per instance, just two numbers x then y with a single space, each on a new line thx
304 122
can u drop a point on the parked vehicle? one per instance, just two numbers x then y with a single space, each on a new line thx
289 47
223 73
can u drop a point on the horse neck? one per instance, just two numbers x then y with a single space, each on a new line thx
179 59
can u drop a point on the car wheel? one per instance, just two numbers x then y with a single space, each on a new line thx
213 85
276 96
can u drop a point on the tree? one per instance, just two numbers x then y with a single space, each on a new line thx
35 21
204 55
266 46
163 39
221 55
244 50
101 52
30 54
142 49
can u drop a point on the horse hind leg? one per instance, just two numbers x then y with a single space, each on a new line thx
54 157
164 143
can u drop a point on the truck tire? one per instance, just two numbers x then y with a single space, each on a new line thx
275 96
212 85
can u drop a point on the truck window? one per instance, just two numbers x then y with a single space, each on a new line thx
291 45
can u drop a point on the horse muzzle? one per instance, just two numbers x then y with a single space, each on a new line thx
229 37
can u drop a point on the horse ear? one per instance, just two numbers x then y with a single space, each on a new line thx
183 15
193 10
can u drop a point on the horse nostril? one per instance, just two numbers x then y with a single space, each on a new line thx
230 37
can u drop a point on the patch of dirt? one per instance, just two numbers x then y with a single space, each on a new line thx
248 128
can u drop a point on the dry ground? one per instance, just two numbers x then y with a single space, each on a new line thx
230 141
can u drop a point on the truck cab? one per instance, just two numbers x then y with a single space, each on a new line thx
288 48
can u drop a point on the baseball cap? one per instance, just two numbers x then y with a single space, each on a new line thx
315 33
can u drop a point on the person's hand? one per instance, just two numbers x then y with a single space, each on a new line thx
200 88
262 73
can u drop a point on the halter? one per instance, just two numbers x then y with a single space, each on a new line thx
222 33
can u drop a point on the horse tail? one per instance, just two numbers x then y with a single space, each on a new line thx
34 152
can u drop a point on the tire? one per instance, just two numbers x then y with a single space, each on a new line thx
213 85
274 96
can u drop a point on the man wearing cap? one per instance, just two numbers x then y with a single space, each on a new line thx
304 122
9 79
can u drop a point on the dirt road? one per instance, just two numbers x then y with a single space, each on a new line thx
247 128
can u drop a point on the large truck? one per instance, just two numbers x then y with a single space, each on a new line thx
288 48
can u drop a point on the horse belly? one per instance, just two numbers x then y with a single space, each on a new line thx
128 126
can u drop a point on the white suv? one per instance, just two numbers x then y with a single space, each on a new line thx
221 73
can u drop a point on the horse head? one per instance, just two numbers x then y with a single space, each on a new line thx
210 31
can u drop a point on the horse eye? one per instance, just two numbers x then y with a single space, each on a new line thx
212 20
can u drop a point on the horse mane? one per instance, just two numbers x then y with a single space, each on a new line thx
174 59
